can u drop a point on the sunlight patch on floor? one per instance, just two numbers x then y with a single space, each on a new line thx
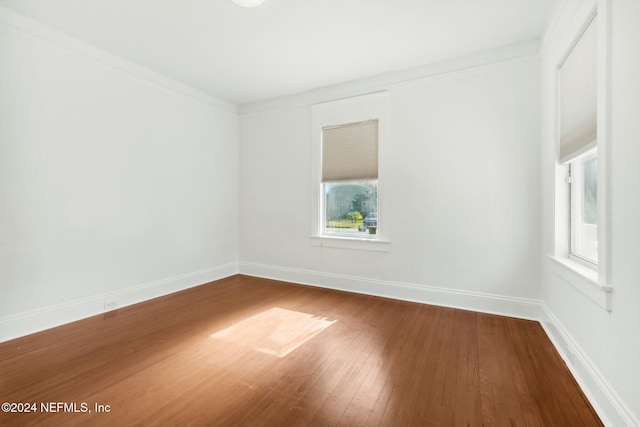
277 331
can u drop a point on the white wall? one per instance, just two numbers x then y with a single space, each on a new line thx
463 186
606 344
112 185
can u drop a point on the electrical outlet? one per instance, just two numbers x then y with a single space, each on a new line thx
109 305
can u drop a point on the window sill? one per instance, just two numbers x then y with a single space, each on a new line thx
351 243
583 279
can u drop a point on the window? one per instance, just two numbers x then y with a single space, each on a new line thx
348 173
350 179
581 256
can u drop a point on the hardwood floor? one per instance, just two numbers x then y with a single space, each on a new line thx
248 351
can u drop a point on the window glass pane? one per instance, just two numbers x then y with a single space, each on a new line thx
584 208
590 191
351 208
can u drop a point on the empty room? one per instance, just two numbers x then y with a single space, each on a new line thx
318 213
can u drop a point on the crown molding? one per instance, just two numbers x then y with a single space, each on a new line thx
15 22
387 81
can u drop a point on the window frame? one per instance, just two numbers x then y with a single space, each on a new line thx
374 106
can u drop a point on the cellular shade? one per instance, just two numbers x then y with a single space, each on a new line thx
578 97
350 152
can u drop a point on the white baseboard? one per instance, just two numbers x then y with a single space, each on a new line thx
26 323
602 396
604 399
523 308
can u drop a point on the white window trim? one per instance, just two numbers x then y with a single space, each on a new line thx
595 284
350 110
351 243
583 279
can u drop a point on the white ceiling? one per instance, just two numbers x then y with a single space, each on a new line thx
289 46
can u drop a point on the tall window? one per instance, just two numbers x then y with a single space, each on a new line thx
350 179
578 143
348 172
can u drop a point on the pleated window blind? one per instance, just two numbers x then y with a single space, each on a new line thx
578 98
350 152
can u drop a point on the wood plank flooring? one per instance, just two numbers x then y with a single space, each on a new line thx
171 361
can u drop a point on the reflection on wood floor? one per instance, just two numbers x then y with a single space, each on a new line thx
276 331
249 351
